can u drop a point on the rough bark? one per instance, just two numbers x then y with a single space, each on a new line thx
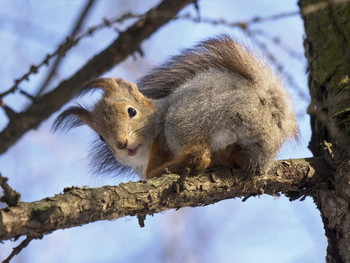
327 25
78 206
127 42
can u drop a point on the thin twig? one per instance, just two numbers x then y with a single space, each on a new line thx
224 22
9 112
10 197
76 28
71 41
20 247
63 48
277 41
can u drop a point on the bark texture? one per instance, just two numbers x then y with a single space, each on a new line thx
78 206
327 25
127 42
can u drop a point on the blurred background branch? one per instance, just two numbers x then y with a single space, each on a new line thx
58 59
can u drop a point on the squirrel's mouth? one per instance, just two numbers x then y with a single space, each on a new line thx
132 152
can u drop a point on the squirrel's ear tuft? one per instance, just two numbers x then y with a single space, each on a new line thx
72 117
126 87
109 85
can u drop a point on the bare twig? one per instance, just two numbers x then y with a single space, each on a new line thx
76 28
72 41
224 22
19 248
10 197
63 48
9 112
277 41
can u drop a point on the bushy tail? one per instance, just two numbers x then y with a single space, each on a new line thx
220 52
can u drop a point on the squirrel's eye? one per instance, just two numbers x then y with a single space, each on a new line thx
132 112
101 138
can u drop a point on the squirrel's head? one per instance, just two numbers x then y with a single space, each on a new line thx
120 117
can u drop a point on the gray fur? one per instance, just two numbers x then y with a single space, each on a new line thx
219 87
221 52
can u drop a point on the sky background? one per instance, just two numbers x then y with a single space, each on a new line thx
41 164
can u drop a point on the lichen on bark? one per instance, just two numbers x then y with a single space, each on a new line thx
327 49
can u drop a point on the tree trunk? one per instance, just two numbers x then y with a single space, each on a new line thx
327 45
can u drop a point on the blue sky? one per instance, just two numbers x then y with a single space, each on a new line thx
41 164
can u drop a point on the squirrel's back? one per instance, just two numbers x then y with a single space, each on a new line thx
225 54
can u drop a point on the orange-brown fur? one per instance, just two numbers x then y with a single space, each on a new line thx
159 155
195 159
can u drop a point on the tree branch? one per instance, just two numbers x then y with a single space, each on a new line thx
10 196
127 43
19 248
74 31
78 206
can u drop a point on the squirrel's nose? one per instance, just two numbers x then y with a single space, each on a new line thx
122 144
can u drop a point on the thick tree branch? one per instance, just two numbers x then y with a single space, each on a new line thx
78 206
127 43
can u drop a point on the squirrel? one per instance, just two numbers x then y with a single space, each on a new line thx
215 104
